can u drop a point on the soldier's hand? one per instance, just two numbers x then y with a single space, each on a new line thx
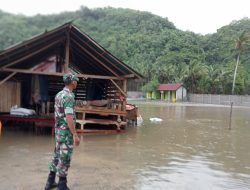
76 140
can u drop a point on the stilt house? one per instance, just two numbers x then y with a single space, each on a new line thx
31 73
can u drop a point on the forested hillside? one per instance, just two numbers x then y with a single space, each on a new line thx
153 46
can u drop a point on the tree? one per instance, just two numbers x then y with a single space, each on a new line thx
151 86
195 72
241 42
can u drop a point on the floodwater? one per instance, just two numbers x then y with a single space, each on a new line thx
190 149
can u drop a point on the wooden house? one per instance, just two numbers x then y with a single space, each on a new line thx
40 63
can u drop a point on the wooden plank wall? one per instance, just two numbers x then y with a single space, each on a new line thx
10 95
108 88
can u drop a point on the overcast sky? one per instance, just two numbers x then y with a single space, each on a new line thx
199 16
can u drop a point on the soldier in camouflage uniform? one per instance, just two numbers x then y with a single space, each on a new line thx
65 134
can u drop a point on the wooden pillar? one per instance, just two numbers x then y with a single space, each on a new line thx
66 60
83 118
125 84
1 127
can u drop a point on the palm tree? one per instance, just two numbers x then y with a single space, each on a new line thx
213 73
240 44
195 72
182 71
224 78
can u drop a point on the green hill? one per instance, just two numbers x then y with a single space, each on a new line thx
150 44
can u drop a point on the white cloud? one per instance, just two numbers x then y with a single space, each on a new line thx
200 16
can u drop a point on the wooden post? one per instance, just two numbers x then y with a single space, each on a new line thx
1 127
230 117
43 108
83 118
125 83
66 61
47 107
53 131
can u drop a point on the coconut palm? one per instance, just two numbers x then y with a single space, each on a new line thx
224 78
240 45
182 71
195 72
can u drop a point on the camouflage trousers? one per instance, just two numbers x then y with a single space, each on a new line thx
60 162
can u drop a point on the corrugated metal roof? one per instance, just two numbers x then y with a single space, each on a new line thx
169 86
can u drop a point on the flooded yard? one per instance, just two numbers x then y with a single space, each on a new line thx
190 149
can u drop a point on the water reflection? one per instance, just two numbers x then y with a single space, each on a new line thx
197 173
194 150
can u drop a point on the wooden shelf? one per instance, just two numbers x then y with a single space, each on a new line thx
101 111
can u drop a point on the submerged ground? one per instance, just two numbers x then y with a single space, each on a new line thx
190 149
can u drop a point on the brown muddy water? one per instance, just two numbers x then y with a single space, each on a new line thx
190 149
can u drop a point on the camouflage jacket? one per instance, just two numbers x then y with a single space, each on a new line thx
64 104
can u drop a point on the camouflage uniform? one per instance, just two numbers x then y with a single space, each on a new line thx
64 104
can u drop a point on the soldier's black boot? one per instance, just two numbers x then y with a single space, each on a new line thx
62 184
50 184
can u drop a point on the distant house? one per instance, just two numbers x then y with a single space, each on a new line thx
172 92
